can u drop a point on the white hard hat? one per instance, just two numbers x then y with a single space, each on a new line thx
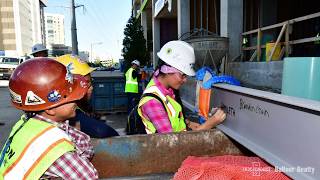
179 55
136 62
37 48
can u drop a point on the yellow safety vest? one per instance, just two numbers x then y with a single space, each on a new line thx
173 108
35 147
131 83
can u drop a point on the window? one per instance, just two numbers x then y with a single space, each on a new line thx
10 60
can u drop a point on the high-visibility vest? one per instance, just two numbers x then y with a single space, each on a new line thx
34 148
131 83
173 109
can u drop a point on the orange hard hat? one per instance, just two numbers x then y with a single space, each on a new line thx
43 83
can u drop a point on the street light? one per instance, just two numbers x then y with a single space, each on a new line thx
94 43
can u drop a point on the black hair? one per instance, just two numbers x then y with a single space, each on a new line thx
31 114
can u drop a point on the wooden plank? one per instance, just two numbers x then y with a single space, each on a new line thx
254 47
259 45
264 28
298 41
304 40
249 48
277 42
310 16
254 55
250 32
287 39
272 26
281 53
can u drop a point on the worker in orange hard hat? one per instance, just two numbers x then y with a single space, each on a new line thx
42 144
89 122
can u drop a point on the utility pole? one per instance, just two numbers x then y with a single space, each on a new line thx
74 38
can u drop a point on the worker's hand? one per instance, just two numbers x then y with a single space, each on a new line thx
218 117
192 125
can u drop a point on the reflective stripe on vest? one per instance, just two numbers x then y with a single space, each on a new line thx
131 83
173 108
30 156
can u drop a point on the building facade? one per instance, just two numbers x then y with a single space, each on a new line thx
20 26
258 34
166 20
54 25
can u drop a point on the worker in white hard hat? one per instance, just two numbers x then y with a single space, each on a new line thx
175 65
39 50
132 83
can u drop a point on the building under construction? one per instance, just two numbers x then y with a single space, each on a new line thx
271 47
252 29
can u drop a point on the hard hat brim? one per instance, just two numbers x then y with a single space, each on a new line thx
91 69
136 64
78 92
39 51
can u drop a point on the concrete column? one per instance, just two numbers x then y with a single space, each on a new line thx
144 23
183 16
232 25
156 35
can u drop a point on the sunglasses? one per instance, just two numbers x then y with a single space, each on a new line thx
182 75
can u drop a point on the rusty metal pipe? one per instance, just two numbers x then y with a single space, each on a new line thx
139 155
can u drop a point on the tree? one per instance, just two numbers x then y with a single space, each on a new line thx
134 44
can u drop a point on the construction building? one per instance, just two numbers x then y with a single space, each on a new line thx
293 25
54 24
21 26
272 47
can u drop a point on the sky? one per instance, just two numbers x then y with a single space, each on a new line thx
100 23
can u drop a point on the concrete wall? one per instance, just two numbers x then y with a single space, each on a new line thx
144 24
156 35
232 24
259 75
183 17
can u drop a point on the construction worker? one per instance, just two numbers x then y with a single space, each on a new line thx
132 86
89 124
39 50
42 144
176 63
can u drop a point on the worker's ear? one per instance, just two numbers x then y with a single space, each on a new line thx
50 112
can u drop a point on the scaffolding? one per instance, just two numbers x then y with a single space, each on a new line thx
286 30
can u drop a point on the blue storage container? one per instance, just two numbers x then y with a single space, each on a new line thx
108 92
118 87
103 104
103 87
120 102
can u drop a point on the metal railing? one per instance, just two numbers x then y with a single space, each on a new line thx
286 29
